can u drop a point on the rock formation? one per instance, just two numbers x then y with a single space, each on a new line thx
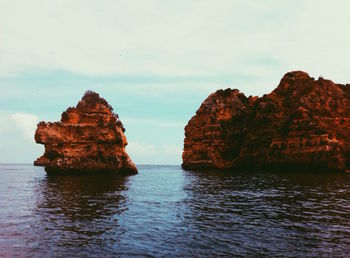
303 124
89 137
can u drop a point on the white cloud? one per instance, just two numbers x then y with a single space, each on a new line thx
176 37
5 124
172 149
143 153
25 124
17 138
21 123
141 149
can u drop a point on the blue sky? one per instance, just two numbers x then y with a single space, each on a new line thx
154 61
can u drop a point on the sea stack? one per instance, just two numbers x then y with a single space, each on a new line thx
89 138
304 124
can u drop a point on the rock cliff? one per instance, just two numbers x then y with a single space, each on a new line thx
89 137
303 124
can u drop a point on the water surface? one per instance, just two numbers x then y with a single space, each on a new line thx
165 211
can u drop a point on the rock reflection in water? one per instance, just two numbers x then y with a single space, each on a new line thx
268 213
79 210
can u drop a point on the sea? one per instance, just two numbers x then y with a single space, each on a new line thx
165 211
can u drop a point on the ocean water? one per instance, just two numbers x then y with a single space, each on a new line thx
165 212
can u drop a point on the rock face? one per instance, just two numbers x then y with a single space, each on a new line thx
89 137
303 124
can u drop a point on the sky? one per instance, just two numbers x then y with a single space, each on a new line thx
155 61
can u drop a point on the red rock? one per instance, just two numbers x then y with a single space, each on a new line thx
303 124
89 137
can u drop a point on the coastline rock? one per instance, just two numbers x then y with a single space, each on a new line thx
89 137
303 124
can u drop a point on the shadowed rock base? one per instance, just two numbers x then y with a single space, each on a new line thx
304 124
60 171
89 138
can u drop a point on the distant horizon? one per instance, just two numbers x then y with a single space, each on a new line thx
31 164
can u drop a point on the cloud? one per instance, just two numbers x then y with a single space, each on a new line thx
25 124
141 149
17 137
5 123
179 38
172 149
144 153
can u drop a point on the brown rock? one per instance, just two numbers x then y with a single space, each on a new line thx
89 137
303 124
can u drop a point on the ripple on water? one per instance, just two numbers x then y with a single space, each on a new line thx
165 211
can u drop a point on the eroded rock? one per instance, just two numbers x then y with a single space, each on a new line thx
89 137
303 124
